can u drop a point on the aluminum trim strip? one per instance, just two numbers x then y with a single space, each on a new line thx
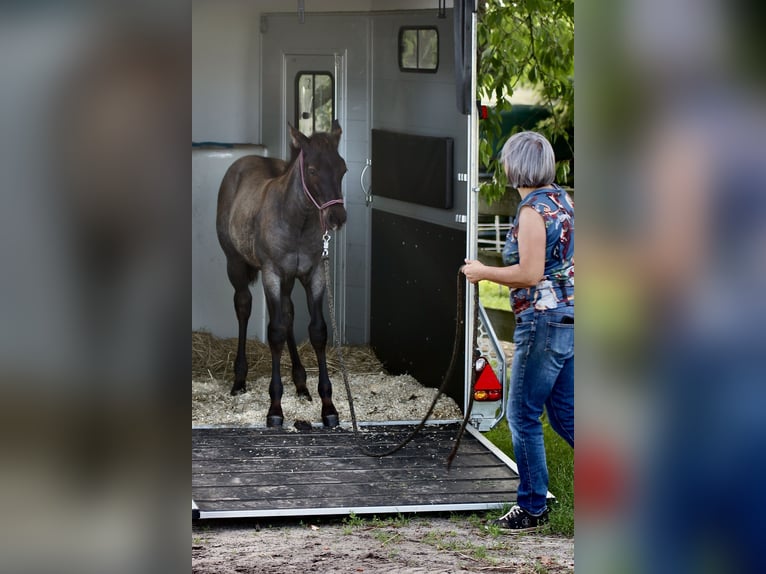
349 510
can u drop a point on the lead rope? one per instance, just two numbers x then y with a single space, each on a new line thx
453 359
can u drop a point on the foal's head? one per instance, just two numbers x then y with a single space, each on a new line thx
322 172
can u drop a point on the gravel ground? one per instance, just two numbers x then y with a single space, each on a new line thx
420 544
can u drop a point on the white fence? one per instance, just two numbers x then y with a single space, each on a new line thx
496 242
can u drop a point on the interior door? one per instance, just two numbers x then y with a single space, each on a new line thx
312 99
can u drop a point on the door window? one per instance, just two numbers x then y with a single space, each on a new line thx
315 102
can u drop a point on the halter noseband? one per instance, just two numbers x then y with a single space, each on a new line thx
308 193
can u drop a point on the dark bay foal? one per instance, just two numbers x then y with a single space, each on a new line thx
272 217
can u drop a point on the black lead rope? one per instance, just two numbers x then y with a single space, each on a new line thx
474 346
453 360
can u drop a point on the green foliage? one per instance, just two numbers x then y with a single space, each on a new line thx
527 43
494 296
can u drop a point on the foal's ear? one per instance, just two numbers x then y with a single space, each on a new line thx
336 131
297 139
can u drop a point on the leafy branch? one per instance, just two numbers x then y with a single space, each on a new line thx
526 43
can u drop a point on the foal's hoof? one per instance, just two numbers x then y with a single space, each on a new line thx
330 421
304 394
274 421
238 389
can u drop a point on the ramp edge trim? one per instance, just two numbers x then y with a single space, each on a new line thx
346 510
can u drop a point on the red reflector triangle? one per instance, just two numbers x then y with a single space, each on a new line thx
487 380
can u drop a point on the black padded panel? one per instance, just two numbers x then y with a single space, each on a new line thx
462 17
413 168
414 298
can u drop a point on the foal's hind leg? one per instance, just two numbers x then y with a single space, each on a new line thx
240 275
299 372
318 337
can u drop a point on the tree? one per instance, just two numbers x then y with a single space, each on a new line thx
525 43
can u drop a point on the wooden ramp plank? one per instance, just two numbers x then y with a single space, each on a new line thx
262 472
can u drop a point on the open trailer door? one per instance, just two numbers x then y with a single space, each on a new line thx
424 206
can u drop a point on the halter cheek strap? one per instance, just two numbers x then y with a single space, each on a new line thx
308 193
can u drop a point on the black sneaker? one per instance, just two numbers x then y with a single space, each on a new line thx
519 520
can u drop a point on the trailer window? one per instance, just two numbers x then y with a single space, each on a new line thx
418 49
315 102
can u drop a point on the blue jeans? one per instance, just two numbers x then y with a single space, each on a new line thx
542 376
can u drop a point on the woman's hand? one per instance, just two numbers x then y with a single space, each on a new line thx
473 270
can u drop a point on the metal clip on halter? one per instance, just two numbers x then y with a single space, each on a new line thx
325 245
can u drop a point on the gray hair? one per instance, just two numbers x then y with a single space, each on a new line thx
528 160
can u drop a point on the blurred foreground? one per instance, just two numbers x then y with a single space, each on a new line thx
671 250
94 293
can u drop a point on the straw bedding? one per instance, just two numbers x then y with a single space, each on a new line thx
377 395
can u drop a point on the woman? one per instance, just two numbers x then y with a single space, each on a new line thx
539 259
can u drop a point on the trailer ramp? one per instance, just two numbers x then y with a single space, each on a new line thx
258 472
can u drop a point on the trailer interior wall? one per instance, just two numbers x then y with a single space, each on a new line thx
226 59
225 75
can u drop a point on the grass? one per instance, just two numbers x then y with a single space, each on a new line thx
449 540
353 521
560 459
494 296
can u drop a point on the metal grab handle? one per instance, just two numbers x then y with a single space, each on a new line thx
367 192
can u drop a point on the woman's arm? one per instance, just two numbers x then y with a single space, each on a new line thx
531 267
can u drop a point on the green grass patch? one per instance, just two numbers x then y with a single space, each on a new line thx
494 296
560 459
449 540
354 521
386 537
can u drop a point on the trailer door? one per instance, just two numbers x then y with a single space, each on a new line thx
420 187
312 71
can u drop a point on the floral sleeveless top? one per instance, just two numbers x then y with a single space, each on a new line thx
557 286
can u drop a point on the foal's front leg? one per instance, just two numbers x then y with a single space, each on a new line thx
318 337
277 335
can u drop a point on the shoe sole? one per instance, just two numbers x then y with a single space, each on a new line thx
519 530
503 530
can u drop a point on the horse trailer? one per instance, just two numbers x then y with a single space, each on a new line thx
400 78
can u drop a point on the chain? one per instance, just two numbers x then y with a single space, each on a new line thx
325 246
447 376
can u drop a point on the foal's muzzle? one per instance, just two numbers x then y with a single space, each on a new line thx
334 216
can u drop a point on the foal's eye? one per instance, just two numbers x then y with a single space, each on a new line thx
312 171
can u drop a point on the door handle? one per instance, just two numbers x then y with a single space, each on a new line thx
366 190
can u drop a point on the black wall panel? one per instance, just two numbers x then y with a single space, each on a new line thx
414 298
413 168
